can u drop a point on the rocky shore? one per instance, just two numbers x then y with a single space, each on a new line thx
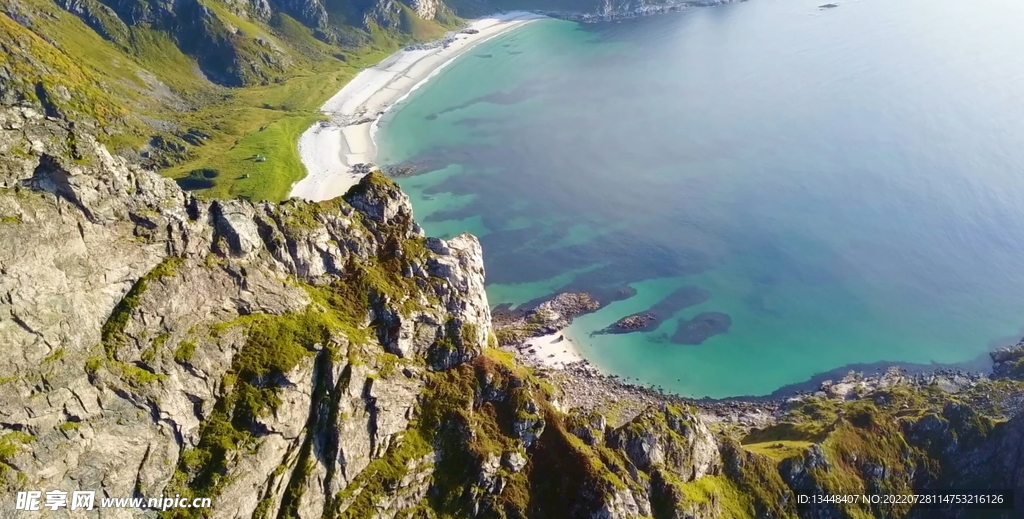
583 386
633 323
513 326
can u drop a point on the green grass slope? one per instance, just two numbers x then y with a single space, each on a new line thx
196 92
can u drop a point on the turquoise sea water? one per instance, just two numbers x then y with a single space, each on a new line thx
845 185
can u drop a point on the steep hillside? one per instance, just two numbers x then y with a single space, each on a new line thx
199 87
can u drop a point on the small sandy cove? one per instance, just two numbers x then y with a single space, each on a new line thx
329 149
555 351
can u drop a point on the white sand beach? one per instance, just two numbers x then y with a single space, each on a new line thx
556 351
329 149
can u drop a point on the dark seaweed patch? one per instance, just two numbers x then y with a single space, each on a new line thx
701 327
517 95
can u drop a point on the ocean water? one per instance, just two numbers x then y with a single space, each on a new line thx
789 190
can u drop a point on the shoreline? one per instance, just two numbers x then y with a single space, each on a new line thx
556 351
582 385
337 152
537 333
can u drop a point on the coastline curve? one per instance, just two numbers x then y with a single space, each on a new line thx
338 151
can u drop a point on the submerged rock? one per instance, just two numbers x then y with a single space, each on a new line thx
651 318
632 323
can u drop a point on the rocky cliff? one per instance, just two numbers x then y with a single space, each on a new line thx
237 42
265 354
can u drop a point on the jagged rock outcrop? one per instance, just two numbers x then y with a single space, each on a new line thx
138 320
549 316
671 438
1009 362
997 462
390 13
312 13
